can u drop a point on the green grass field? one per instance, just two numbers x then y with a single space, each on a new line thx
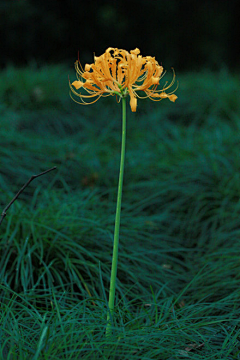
178 287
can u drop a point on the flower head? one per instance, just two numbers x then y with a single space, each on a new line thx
118 72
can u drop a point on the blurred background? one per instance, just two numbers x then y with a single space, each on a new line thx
41 41
187 35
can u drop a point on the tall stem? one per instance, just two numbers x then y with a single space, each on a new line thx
117 221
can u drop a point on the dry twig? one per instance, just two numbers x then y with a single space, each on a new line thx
4 213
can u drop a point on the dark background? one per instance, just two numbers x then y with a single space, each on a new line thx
187 35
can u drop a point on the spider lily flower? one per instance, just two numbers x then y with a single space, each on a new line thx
118 72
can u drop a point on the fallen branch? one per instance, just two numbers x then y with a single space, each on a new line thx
4 213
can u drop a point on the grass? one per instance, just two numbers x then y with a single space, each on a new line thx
178 273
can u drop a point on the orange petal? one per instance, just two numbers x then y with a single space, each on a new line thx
87 67
90 86
77 84
172 97
110 49
163 95
135 51
155 80
133 100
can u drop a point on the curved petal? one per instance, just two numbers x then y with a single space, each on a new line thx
133 100
77 84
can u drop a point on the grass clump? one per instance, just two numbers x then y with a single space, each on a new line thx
178 275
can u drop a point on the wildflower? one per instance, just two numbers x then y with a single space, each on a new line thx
118 72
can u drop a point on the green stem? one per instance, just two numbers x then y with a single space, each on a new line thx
117 222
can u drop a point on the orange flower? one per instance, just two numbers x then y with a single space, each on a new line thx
118 72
